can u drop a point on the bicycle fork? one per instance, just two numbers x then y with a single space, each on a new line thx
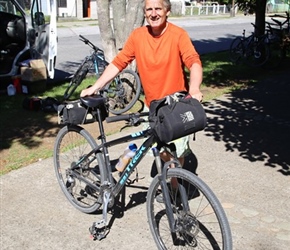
166 192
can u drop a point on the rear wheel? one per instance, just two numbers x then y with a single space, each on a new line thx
79 181
199 219
236 50
123 92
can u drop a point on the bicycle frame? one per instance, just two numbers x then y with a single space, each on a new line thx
139 155
95 58
103 148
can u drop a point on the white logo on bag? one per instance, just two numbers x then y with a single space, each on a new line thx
187 117
70 106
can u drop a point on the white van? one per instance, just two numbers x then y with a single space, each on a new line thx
28 31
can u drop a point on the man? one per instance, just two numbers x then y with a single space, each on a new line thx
161 50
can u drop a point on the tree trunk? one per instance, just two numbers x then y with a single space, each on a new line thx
106 31
126 16
260 17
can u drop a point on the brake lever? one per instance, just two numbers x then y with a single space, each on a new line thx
133 122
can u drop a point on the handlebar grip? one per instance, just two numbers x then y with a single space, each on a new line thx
117 118
83 38
88 42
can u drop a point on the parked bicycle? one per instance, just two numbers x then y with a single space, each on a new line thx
252 50
123 91
278 32
190 215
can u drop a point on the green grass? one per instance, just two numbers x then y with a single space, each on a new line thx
28 136
23 131
58 90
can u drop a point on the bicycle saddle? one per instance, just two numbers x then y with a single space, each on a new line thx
94 101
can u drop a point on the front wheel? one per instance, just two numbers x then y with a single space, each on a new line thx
199 219
79 179
123 92
257 53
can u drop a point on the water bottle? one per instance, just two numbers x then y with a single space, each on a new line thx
125 158
11 90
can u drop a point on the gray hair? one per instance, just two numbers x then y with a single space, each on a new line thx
166 3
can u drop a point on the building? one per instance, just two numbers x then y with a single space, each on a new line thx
77 8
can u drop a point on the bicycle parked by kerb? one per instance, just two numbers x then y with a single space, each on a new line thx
123 91
252 50
189 214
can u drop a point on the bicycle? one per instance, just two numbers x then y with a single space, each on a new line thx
123 91
190 214
279 40
252 50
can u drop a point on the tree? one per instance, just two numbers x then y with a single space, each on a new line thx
117 18
259 8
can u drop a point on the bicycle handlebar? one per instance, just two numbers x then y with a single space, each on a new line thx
281 16
132 118
88 42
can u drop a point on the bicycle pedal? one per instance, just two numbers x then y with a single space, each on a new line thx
98 233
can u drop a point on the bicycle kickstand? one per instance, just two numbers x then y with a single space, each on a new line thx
99 230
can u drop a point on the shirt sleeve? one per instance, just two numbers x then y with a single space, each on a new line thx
126 55
188 52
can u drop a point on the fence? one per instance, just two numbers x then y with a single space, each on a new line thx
277 8
208 9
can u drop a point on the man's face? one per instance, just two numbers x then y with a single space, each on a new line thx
155 13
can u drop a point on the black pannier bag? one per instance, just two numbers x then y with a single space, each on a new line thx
74 112
175 116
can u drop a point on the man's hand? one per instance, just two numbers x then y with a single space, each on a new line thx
110 72
87 92
197 95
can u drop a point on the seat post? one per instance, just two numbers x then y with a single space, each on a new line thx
101 126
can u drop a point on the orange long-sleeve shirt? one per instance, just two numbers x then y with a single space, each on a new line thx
160 60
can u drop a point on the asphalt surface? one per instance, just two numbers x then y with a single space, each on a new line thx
243 155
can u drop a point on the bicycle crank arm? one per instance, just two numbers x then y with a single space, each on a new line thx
99 229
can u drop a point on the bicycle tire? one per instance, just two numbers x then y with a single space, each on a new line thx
205 226
77 79
72 143
257 53
123 97
236 51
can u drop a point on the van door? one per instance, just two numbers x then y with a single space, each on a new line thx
43 19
